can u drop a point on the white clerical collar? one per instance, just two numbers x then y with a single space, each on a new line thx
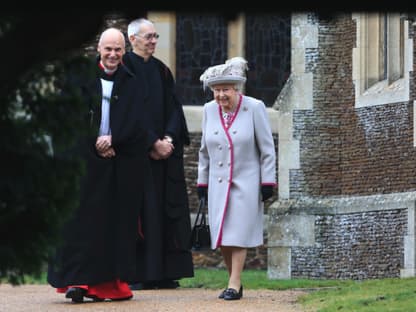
106 70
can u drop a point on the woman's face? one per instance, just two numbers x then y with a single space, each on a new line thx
225 95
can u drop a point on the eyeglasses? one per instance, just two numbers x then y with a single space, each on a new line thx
149 36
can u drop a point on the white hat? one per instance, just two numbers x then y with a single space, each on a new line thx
233 71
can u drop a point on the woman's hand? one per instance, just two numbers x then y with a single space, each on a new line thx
266 192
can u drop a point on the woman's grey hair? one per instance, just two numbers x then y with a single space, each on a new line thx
134 27
239 86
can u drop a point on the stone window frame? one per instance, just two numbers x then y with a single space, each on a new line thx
381 59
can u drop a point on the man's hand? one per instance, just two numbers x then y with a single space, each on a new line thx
103 146
108 153
162 149
103 143
154 155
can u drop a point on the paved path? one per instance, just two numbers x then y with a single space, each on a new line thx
43 298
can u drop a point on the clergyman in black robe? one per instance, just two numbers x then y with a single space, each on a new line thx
99 246
165 255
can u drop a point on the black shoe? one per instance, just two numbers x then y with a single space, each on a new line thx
76 294
232 294
221 296
137 286
168 284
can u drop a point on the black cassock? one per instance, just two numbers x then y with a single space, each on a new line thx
164 252
100 240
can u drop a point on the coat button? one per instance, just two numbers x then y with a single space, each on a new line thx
234 131
216 132
220 163
220 180
219 147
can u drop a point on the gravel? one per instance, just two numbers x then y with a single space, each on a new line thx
43 298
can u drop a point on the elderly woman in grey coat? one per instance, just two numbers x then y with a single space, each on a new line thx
236 167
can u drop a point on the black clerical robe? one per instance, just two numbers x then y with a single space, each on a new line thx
165 252
100 240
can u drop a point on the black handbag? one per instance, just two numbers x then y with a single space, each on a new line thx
200 235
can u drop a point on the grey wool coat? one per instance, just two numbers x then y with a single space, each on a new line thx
234 163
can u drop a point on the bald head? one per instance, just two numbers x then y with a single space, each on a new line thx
112 34
111 47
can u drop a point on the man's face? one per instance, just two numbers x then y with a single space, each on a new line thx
145 41
111 50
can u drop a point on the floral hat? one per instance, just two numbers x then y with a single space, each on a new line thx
233 71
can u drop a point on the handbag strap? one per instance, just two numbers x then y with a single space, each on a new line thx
201 213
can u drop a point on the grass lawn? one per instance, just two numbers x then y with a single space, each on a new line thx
376 295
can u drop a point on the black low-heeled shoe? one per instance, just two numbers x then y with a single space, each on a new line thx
221 296
136 286
232 294
76 294
166 284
